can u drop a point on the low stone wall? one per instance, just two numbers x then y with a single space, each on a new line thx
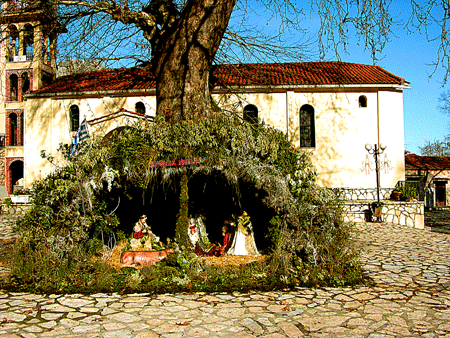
409 214
14 209
362 194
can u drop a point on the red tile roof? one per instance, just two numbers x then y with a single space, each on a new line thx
304 73
261 74
413 161
102 80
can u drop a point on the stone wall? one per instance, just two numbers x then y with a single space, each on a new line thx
2 166
14 209
364 194
409 214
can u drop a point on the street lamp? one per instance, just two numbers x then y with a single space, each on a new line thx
376 152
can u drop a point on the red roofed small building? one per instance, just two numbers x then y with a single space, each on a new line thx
431 174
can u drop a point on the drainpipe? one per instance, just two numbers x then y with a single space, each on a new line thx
378 132
287 115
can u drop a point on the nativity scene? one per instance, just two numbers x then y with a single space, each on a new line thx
147 249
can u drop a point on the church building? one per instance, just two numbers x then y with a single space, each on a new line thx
330 109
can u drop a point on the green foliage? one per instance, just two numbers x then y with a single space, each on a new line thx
408 192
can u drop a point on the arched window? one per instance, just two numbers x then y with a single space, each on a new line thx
28 41
13 87
25 83
74 117
139 107
13 129
307 127
250 113
13 43
362 101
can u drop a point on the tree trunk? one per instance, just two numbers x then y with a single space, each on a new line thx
182 59
181 229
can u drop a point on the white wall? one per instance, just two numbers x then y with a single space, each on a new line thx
47 124
342 129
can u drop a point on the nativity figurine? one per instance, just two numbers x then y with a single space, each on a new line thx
143 237
244 240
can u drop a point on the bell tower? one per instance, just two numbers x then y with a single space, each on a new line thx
28 62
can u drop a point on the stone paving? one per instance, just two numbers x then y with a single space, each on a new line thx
438 220
410 298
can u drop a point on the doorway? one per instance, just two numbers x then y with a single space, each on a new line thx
441 194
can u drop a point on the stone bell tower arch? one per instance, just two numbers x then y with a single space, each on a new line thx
27 62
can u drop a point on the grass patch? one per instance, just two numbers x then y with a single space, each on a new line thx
37 269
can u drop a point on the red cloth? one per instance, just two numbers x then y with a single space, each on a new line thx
226 241
199 252
226 244
138 234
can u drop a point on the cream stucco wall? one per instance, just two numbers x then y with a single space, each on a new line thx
342 128
47 125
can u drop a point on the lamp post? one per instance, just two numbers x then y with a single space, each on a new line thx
376 152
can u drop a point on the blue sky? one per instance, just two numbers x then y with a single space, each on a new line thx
409 56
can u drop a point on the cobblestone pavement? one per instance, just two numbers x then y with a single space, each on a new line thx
410 298
438 220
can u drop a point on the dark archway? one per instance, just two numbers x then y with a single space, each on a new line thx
210 195
15 173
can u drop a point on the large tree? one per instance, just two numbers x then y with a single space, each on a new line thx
181 39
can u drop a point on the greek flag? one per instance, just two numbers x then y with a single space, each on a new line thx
81 135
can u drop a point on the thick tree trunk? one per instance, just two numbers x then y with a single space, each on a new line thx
182 59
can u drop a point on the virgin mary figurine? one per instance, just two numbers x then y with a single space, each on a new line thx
244 240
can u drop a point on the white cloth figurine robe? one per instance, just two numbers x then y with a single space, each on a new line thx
244 240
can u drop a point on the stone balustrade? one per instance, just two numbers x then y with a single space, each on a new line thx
410 214
362 194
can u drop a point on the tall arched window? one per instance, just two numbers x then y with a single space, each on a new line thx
362 101
74 117
307 127
13 43
139 107
47 79
25 83
13 87
13 129
28 41
250 113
